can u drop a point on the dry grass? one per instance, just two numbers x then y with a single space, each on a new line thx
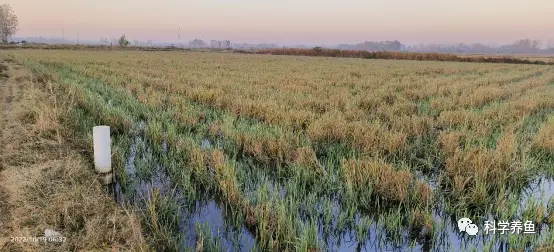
545 137
375 107
47 184
532 57
307 159
386 182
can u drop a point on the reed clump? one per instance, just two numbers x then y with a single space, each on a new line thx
545 138
380 176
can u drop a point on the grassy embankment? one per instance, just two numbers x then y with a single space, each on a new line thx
45 181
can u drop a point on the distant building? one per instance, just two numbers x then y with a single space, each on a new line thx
220 44
215 44
265 46
226 44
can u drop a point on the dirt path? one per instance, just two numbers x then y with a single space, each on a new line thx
17 157
44 182
5 100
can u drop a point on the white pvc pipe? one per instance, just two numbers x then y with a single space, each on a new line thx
102 149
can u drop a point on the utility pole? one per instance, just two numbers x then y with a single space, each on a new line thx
180 45
63 35
77 38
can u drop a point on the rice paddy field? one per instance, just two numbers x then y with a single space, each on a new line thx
241 152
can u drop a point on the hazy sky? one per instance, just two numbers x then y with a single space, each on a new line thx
290 22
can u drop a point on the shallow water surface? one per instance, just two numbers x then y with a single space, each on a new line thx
211 216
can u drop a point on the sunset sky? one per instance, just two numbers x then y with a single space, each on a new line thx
290 22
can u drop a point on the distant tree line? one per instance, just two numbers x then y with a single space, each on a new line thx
390 46
429 56
522 46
